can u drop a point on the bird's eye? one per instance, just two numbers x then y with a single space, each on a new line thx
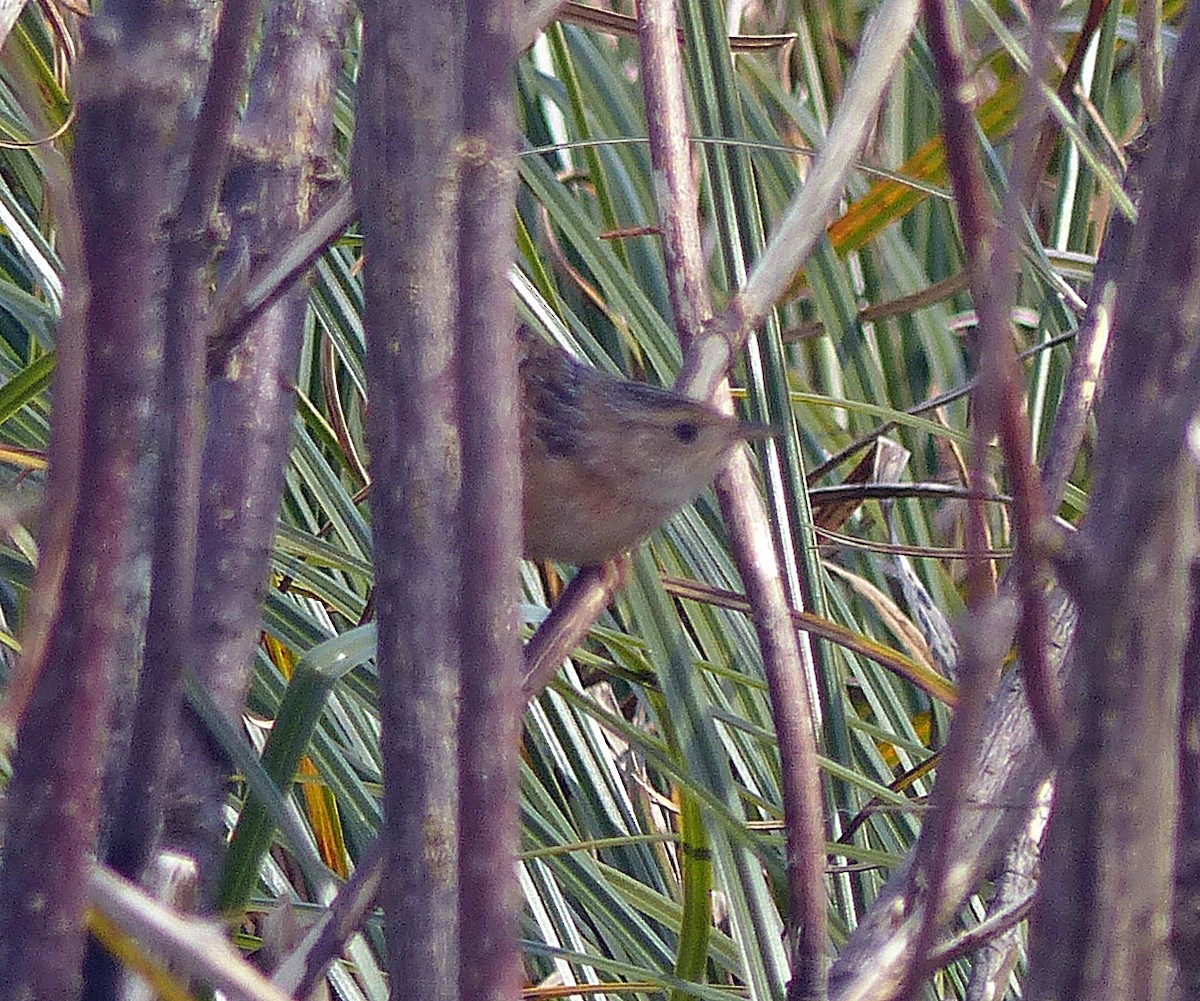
686 431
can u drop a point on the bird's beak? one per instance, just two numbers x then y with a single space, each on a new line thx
753 431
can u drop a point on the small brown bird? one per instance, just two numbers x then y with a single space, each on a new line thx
606 460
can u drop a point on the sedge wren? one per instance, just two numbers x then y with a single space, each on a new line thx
606 460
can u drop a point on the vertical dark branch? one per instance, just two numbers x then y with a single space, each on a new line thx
998 409
191 250
1150 57
999 404
491 708
1185 924
1100 925
405 173
979 664
678 194
791 709
133 87
998 367
268 197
